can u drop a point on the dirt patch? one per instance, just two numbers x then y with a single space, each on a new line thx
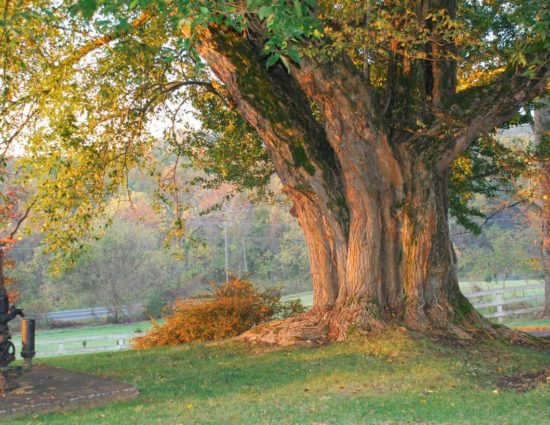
47 388
522 382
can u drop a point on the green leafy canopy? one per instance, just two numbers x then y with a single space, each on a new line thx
88 88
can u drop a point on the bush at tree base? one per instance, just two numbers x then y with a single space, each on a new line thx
230 310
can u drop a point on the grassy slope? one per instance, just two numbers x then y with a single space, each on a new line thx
395 379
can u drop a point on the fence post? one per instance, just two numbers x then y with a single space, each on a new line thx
500 309
60 349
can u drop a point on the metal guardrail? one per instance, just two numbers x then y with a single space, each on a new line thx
87 313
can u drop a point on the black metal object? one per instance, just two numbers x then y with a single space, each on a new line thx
7 349
7 313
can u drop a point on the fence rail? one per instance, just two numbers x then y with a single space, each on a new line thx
506 289
508 301
502 314
501 301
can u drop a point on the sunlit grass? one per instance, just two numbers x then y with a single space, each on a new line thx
393 379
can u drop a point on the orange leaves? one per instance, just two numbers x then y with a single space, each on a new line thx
234 308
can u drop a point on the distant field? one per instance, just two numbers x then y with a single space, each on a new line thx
305 297
469 287
48 340
529 323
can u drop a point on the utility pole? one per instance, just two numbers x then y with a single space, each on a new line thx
244 256
224 225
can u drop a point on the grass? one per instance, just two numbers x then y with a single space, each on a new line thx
530 323
92 331
393 379
48 340
305 297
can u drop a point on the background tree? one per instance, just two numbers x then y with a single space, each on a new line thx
356 106
542 140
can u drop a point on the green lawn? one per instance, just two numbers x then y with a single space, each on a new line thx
91 331
394 379
542 323
47 340
305 297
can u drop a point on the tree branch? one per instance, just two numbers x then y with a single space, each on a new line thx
488 107
99 42
273 104
338 82
22 219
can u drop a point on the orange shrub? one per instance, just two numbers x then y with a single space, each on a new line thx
230 310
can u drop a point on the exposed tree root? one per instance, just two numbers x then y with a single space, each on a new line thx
317 328
314 327
303 330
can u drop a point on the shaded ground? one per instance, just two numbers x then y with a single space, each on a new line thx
46 388
523 382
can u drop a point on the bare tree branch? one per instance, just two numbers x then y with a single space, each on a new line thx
22 219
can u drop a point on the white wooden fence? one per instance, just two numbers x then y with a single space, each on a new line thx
500 300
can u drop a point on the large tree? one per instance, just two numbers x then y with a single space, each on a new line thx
356 104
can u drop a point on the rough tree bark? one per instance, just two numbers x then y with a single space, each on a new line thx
542 140
370 195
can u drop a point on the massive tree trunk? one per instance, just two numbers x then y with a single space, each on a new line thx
398 262
368 183
542 139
